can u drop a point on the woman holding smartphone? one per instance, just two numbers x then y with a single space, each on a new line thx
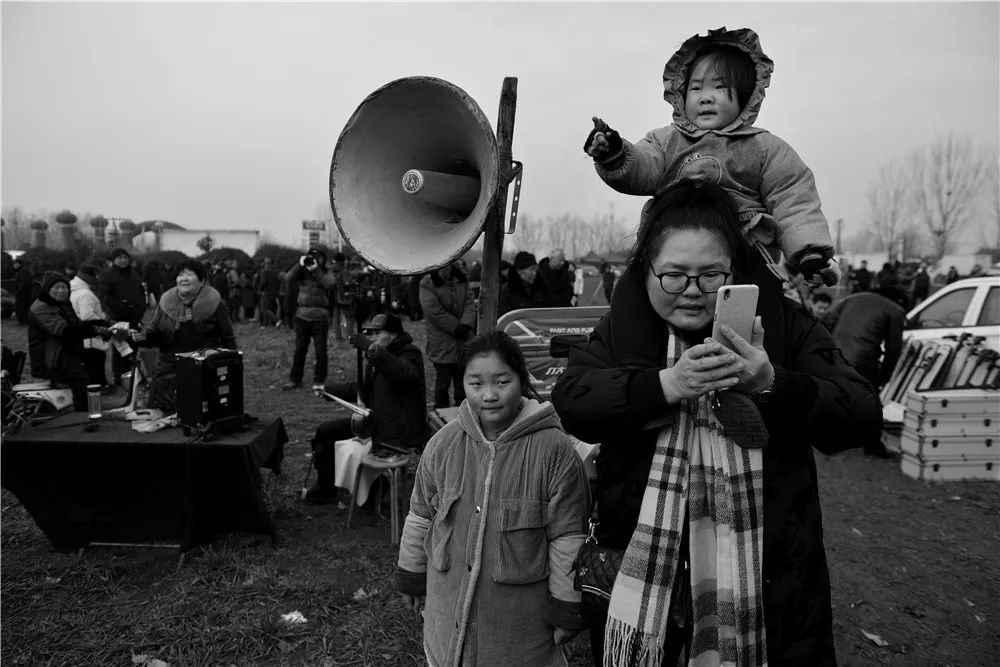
706 475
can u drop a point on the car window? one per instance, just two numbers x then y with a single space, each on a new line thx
990 315
947 311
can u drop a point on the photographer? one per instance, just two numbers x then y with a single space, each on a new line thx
393 389
312 317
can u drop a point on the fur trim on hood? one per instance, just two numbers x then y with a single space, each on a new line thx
677 69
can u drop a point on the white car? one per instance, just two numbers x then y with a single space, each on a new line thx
969 305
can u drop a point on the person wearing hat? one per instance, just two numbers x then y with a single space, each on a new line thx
525 288
393 389
55 338
449 310
312 315
124 298
189 316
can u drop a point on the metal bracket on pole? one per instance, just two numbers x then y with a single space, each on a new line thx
515 175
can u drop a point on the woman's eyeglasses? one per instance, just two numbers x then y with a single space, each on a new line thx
675 282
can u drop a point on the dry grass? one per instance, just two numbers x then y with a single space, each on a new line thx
917 559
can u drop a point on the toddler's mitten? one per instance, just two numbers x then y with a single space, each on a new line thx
612 146
817 269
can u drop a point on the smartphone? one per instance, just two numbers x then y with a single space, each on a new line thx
736 306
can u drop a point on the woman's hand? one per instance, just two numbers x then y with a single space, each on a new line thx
756 373
137 336
701 369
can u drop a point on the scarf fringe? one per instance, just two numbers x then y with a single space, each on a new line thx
626 645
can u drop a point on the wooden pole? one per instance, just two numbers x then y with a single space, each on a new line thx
493 229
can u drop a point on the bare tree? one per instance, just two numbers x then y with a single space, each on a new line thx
947 177
529 234
989 233
887 208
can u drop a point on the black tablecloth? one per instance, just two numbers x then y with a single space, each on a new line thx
118 485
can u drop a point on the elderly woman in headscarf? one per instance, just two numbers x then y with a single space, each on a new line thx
55 338
189 317
706 477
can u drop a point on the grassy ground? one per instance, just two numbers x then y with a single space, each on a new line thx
913 563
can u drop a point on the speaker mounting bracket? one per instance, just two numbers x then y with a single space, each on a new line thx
515 175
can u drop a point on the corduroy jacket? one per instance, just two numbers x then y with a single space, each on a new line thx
491 536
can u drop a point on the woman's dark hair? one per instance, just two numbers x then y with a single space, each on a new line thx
688 205
194 266
734 66
501 344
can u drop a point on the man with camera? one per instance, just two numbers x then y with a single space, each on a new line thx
393 390
312 316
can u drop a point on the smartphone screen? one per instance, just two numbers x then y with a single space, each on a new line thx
735 306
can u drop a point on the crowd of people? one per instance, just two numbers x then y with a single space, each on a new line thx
706 486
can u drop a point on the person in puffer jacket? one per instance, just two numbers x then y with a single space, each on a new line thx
55 338
715 84
87 307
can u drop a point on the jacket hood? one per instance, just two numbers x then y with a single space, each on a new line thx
78 284
676 71
534 417
49 280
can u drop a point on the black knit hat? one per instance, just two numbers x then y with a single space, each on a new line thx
118 252
51 278
523 260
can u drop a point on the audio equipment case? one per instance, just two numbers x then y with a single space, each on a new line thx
209 387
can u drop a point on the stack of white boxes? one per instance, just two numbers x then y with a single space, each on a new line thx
951 434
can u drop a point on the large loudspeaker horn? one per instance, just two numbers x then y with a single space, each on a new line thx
414 174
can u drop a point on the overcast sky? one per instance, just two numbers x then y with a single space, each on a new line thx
226 115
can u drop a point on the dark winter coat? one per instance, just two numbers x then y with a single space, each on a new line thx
179 328
446 304
394 390
558 284
861 324
607 394
122 294
268 282
515 294
55 338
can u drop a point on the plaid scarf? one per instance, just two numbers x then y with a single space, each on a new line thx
720 485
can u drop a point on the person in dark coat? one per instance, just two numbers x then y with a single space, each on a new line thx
558 278
524 288
152 274
124 299
393 389
190 316
55 339
868 329
921 284
450 315
267 285
312 283
862 278
649 377
23 288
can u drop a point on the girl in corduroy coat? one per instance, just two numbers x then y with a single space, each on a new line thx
498 513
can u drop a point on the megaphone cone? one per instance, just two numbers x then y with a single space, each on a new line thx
414 174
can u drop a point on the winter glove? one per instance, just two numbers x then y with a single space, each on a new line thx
603 144
360 341
462 331
818 268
